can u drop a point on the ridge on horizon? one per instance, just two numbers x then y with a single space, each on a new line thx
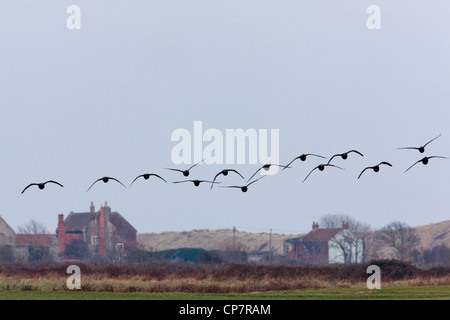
430 235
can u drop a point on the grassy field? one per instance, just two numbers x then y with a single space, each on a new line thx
391 293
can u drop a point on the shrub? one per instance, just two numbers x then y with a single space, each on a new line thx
395 269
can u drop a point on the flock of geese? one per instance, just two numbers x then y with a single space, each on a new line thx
266 167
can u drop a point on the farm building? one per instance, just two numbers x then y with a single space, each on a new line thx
25 247
7 234
104 234
325 246
101 235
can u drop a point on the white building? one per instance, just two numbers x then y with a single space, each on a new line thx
326 246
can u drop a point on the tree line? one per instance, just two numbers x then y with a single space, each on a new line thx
396 240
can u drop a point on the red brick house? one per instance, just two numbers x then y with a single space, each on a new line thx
325 246
102 233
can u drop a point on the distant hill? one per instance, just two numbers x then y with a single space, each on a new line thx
434 234
430 235
213 240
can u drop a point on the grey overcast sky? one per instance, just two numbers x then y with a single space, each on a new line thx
77 105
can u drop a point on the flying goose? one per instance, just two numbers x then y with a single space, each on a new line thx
146 176
243 188
225 173
303 158
42 185
196 182
425 161
375 168
105 180
185 172
266 167
321 167
421 148
345 155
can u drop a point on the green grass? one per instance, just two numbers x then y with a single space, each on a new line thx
390 293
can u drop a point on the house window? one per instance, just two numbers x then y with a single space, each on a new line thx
119 246
94 240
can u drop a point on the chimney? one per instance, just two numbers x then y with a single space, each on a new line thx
92 207
315 226
107 211
102 233
344 225
60 233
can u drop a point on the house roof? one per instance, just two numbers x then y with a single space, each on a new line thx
318 235
75 222
2 221
26 240
120 222
321 235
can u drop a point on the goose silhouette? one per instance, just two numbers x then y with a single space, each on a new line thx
303 158
421 148
105 180
146 176
321 167
42 185
425 161
266 167
185 172
375 168
344 156
225 173
195 182
244 188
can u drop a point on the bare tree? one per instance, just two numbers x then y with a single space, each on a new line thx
32 227
400 237
334 221
438 255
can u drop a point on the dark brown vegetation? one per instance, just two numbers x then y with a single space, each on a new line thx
212 278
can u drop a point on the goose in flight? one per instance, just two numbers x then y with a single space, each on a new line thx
244 188
321 167
146 176
375 168
425 161
225 173
345 155
185 172
303 158
195 182
105 180
421 148
42 185
266 167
